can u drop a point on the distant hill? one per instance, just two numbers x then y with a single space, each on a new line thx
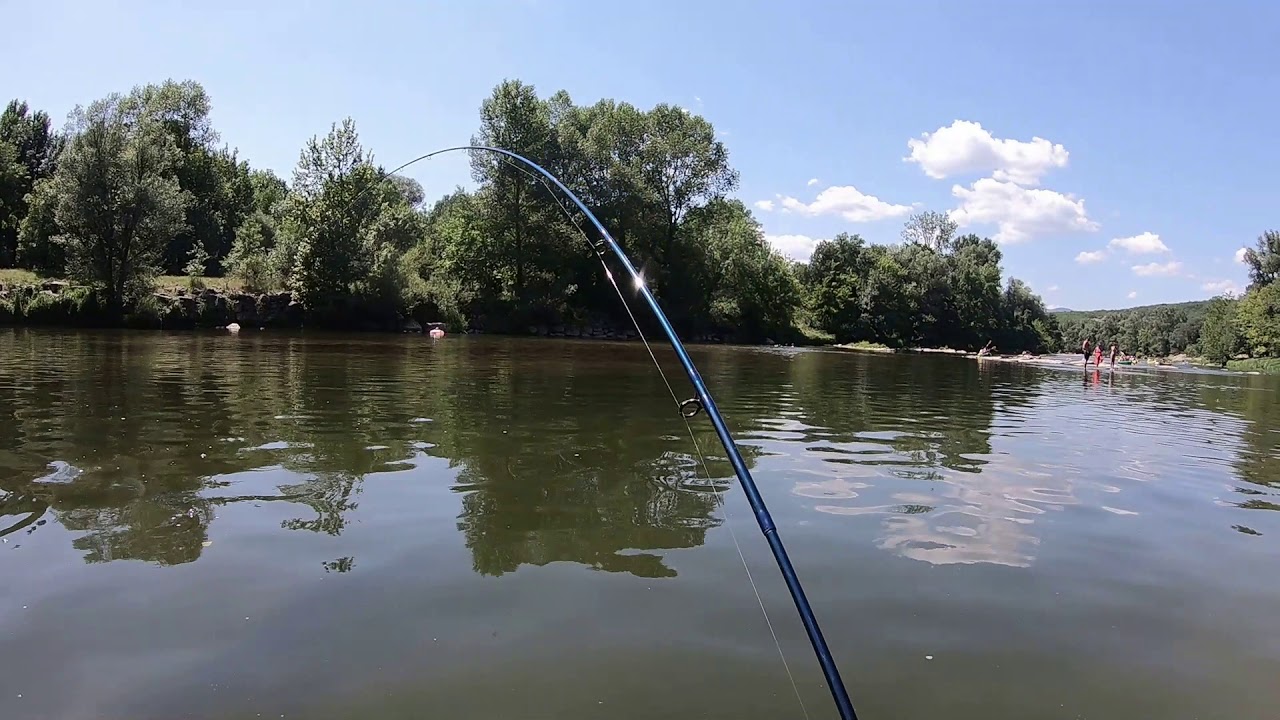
1058 309
1193 308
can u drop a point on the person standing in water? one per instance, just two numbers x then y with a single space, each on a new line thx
1084 348
1097 355
1115 353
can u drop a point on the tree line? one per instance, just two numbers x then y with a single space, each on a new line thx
1219 330
140 184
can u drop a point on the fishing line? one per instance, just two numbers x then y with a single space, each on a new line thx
723 504
702 401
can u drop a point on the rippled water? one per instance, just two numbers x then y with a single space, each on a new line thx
218 526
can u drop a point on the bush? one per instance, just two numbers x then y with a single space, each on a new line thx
1268 366
146 313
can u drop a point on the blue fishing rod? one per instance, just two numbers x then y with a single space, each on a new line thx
689 408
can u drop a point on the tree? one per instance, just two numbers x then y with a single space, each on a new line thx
14 183
1264 259
1220 338
39 247
116 199
930 229
752 291
512 118
682 164
28 153
408 189
1258 315
833 281
269 191
250 256
328 182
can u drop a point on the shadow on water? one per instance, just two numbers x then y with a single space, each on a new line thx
133 442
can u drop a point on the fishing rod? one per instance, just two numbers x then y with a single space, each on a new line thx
688 409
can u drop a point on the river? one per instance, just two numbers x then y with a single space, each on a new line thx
220 526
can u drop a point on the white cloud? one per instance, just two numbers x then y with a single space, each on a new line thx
1020 213
1090 257
796 247
765 205
849 203
812 182
1218 287
1143 244
1133 294
1172 267
1052 288
1240 255
967 147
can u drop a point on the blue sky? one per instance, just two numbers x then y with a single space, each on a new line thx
1157 158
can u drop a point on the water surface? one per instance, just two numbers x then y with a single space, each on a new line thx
331 526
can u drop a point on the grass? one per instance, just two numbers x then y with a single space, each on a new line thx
182 282
813 336
14 276
1267 366
864 346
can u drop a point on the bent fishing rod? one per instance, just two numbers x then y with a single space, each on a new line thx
689 408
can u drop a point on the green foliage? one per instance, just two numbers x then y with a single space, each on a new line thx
250 257
33 305
1150 331
39 248
195 267
28 153
1264 259
931 229
116 200
914 294
1258 316
1220 338
1266 365
14 185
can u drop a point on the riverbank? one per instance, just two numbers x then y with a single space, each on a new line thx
211 303
1176 363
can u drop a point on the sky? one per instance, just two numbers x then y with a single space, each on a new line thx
1121 152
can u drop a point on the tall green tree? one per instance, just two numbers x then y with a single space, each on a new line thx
1258 315
931 229
1263 259
116 199
833 279
28 153
1220 338
513 118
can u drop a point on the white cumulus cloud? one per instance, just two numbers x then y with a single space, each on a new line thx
849 203
1172 267
812 182
765 205
1133 294
1240 255
1019 213
1092 256
967 147
1052 288
796 247
1218 287
1144 244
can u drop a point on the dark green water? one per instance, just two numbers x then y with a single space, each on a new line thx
218 526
